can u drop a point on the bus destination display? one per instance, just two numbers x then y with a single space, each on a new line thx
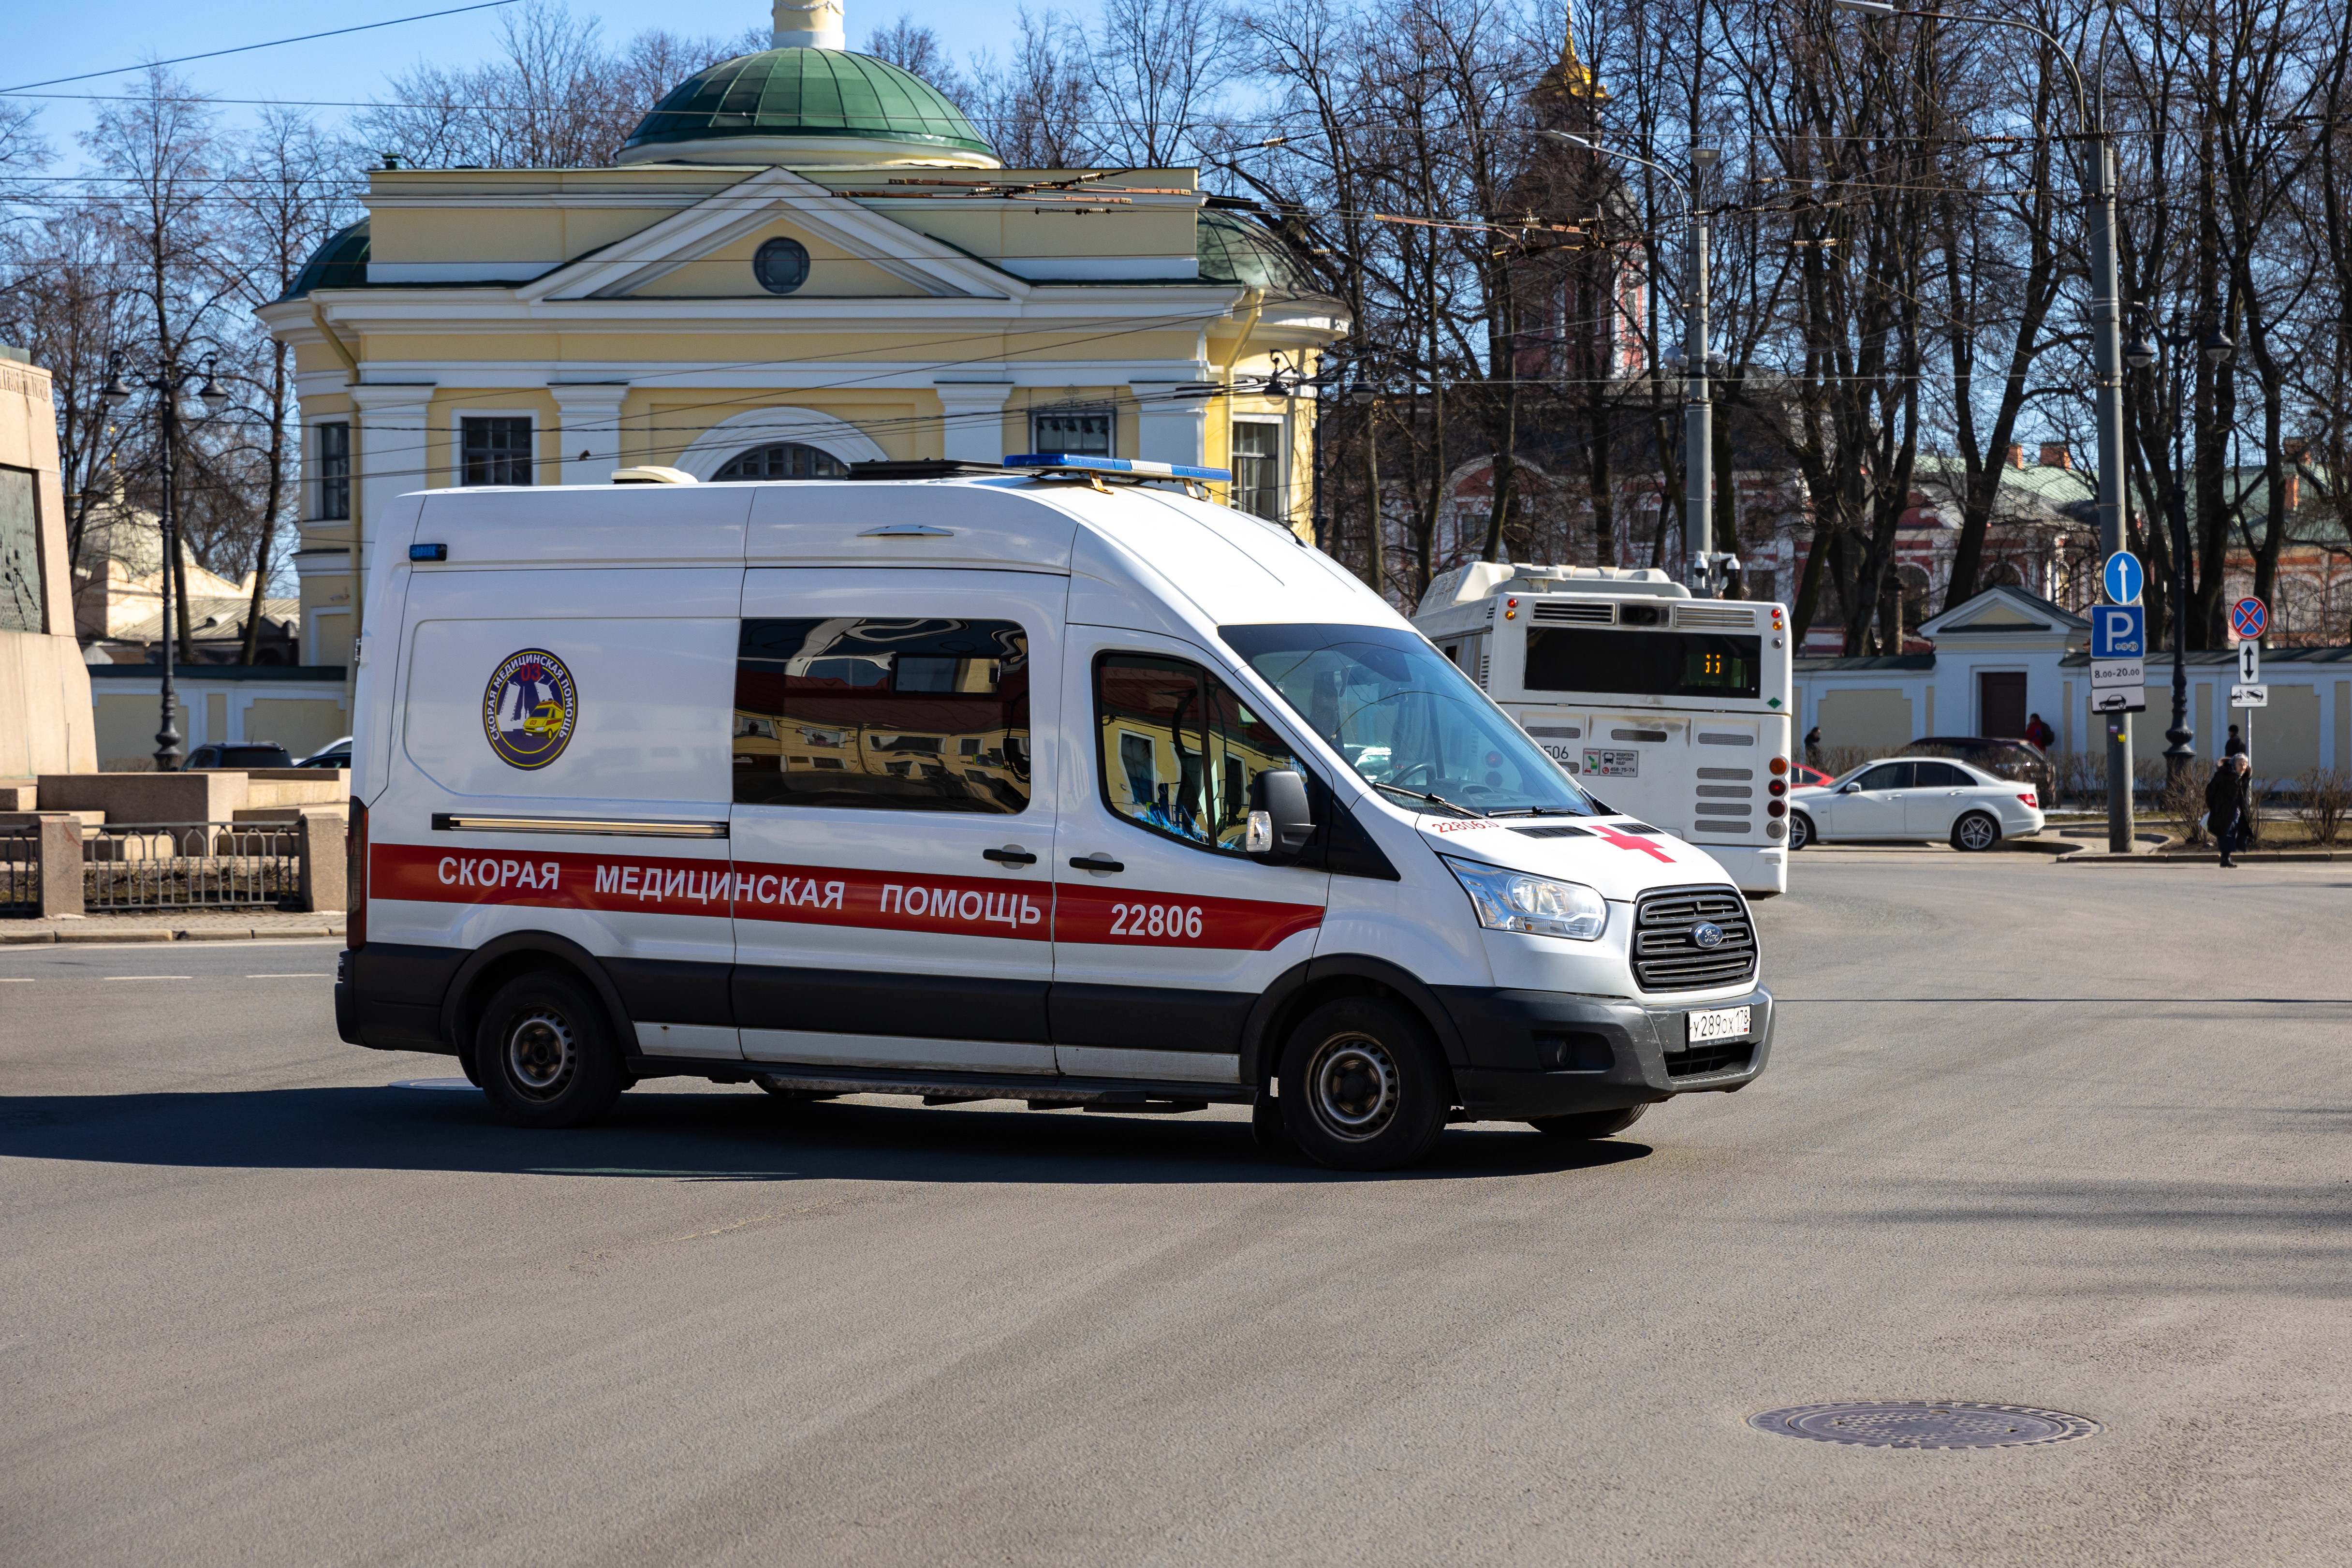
1643 664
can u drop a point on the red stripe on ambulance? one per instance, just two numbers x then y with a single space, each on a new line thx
1111 917
831 895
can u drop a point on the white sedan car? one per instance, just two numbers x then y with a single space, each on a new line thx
1914 798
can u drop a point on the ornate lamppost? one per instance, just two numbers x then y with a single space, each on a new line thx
166 381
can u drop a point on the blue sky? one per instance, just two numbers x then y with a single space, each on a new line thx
51 39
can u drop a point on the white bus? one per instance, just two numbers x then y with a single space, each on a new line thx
1673 710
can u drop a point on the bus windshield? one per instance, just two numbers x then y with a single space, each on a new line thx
1399 713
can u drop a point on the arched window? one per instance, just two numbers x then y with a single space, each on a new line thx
784 460
2003 574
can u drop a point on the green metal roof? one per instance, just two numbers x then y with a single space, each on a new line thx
1233 249
340 263
808 92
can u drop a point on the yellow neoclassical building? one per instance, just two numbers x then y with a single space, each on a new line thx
805 258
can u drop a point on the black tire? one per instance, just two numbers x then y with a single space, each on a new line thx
1800 830
1975 833
1589 1123
546 1054
1363 1087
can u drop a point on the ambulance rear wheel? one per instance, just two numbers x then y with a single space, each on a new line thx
1363 1088
546 1054
1589 1123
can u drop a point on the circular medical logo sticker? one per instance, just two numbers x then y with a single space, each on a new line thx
529 708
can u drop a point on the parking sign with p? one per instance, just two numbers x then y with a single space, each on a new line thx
2118 632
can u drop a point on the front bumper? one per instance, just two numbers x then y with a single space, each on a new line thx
1549 1053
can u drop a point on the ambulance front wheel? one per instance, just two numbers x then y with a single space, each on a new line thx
1363 1088
546 1054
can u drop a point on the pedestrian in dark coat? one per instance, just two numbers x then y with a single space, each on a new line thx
2235 746
2229 805
1814 745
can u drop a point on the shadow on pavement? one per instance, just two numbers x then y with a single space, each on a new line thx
711 1138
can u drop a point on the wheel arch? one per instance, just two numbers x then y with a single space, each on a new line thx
501 958
1304 987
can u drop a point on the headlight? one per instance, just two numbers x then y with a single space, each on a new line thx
1514 901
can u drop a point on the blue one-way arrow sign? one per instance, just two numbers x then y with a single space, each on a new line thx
2118 630
2124 578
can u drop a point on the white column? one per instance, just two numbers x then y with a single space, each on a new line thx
974 426
588 439
1171 428
390 461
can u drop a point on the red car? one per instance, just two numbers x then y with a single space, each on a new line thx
1802 776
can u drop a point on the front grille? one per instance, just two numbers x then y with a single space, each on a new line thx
1729 1057
1589 615
1714 615
1665 957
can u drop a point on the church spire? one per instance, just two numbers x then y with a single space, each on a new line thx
1570 77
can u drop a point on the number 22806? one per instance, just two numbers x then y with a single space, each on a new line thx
1166 921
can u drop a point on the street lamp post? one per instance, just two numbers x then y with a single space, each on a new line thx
2106 337
1699 403
165 384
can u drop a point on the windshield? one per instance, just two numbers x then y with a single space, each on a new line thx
1399 713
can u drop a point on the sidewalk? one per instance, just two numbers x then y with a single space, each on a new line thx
173 925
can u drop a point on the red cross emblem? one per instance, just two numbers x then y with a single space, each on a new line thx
1625 840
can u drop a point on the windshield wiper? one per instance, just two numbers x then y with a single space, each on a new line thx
1540 811
1425 795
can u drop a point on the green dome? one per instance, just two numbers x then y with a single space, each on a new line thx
1234 249
340 263
796 96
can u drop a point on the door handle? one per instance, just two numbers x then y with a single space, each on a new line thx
1095 862
1010 854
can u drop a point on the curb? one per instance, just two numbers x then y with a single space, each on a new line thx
104 938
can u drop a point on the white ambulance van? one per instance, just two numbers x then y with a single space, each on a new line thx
1000 784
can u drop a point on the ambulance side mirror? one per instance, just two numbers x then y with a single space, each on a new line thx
1279 823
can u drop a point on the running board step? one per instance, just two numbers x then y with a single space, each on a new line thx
1044 1092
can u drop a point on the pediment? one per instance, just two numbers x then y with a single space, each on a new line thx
2006 610
706 250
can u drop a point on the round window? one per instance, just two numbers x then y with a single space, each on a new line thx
781 265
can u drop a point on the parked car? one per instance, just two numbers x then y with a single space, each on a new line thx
2002 757
1804 778
238 756
1925 799
336 754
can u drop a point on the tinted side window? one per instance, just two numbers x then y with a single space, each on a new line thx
882 714
1887 776
1179 748
1941 776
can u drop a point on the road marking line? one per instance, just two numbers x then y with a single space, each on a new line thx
16 979
146 977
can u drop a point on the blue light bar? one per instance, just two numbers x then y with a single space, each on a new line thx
429 553
1140 468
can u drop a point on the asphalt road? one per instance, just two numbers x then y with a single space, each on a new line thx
2032 1135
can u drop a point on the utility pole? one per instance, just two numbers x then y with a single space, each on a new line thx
2107 358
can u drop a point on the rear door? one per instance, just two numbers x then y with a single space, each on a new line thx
893 816
1165 933
559 764
1938 791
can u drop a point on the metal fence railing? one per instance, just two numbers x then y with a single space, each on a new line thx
20 870
190 865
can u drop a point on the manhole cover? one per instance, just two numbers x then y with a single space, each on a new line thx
1925 1423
